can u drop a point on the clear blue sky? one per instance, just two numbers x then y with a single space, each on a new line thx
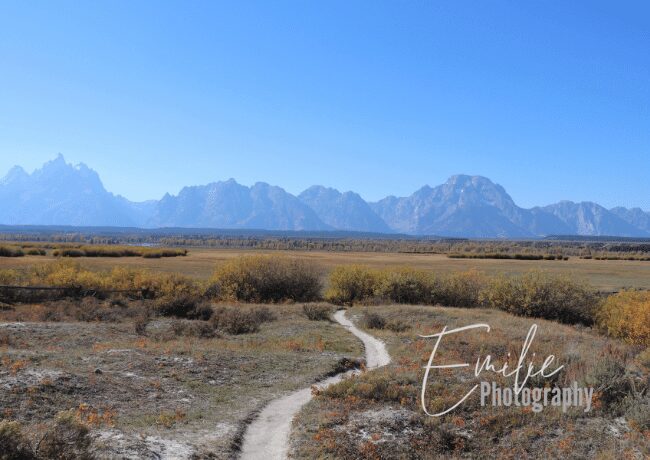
551 99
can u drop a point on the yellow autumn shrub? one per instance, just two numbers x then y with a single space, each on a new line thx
268 278
626 315
353 283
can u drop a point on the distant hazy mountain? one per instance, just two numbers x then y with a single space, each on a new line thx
343 211
587 218
61 194
464 206
231 205
635 217
471 206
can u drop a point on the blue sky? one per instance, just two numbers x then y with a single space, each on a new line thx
550 99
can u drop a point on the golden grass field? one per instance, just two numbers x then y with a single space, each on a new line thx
605 275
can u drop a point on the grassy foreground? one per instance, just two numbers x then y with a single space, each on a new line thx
379 414
167 386
144 363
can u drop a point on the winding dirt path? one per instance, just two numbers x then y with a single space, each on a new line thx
267 437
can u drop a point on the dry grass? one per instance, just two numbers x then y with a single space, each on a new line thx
174 383
200 263
378 414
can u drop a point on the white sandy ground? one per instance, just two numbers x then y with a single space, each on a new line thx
267 437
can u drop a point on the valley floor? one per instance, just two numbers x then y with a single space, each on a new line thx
605 275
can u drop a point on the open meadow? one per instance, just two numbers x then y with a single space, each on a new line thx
178 357
606 275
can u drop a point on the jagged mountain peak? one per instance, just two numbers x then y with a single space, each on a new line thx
331 192
58 171
464 205
15 174
589 218
344 211
473 189
315 190
232 205
466 179
636 217
59 193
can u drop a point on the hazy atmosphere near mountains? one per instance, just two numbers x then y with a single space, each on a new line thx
464 206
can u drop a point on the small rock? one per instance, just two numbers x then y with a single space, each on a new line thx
98 371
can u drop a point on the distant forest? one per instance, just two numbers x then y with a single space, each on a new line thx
551 248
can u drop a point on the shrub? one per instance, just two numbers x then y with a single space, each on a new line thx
501 256
352 283
543 295
158 253
68 253
212 291
74 281
397 326
406 285
240 320
317 311
609 380
201 329
263 314
11 251
235 321
115 251
90 309
203 311
9 277
140 325
356 283
375 386
374 321
638 413
461 289
626 315
13 444
67 439
268 279
180 306
71 276
158 284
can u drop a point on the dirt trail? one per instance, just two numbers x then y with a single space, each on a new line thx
267 436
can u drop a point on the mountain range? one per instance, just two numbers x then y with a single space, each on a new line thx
465 206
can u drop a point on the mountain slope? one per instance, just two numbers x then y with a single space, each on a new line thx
61 194
470 206
464 206
635 217
231 205
343 211
587 218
